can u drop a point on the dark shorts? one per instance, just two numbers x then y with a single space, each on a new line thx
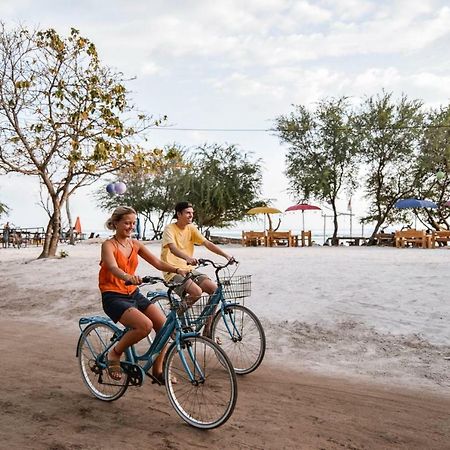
197 278
115 303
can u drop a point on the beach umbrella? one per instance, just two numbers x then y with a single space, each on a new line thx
266 210
77 227
414 203
302 207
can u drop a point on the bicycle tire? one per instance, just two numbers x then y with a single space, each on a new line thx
209 400
163 302
94 339
244 341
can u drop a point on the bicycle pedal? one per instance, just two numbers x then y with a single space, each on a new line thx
134 372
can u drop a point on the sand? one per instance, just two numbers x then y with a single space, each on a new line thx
357 356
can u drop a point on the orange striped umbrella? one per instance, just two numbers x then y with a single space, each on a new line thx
77 226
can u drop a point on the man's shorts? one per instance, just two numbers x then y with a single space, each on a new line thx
116 303
197 278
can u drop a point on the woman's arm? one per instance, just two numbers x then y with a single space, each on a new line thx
145 253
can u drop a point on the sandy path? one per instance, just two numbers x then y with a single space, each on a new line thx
45 405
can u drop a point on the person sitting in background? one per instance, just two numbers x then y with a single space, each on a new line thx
122 302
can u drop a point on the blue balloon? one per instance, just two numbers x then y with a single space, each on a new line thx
110 189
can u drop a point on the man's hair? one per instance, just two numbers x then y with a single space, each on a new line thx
180 206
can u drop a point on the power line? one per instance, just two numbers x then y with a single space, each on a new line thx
213 129
265 130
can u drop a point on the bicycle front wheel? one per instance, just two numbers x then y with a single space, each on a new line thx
240 333
200 382
94 339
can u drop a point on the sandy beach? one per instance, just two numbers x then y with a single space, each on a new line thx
358 355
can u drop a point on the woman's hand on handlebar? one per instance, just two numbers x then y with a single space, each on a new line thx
133 279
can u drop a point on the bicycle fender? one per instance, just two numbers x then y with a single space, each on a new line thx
88 321
91 319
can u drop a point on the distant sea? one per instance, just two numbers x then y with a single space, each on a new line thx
318 235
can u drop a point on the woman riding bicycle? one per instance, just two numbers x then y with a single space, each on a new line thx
123 302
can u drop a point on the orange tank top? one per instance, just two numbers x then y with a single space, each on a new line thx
107 282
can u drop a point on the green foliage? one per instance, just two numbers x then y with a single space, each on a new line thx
432 167
321 160
390 136
222 183
152 194
62 116
3 209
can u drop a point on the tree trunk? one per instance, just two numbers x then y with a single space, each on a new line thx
334 240
375 231
69 219
52 233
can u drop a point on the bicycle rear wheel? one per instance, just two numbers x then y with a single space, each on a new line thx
200 382
94 339
240 333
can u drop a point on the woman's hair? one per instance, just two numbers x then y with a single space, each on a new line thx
117 215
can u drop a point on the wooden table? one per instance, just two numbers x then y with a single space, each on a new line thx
350 240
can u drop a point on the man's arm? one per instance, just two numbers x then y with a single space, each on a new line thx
215 249
177 252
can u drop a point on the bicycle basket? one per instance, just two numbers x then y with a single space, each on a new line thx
198 312
238 286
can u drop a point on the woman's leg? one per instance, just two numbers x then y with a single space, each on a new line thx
140 326
158 319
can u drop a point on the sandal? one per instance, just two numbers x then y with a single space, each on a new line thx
159 379
114 369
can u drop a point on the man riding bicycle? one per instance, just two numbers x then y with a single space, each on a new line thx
177 249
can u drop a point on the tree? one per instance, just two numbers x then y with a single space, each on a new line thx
64 117
222 183
321 161
3 209
390 134
152 194
432 174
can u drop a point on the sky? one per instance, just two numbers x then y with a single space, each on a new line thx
236 66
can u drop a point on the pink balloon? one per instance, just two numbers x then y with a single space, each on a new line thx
120 188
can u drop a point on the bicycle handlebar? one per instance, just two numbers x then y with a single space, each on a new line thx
148 279
206 262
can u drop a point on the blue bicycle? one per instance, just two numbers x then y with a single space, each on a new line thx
234 327
199 377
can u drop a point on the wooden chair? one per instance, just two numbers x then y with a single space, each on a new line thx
275 238
306 237
254 238
440 237
417 238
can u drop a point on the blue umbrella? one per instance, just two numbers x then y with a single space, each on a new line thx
414 203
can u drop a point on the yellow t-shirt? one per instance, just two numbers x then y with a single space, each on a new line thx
182 239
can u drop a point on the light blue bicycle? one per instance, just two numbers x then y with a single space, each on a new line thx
199 378
234 327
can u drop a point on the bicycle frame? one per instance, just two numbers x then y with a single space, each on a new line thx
172 324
